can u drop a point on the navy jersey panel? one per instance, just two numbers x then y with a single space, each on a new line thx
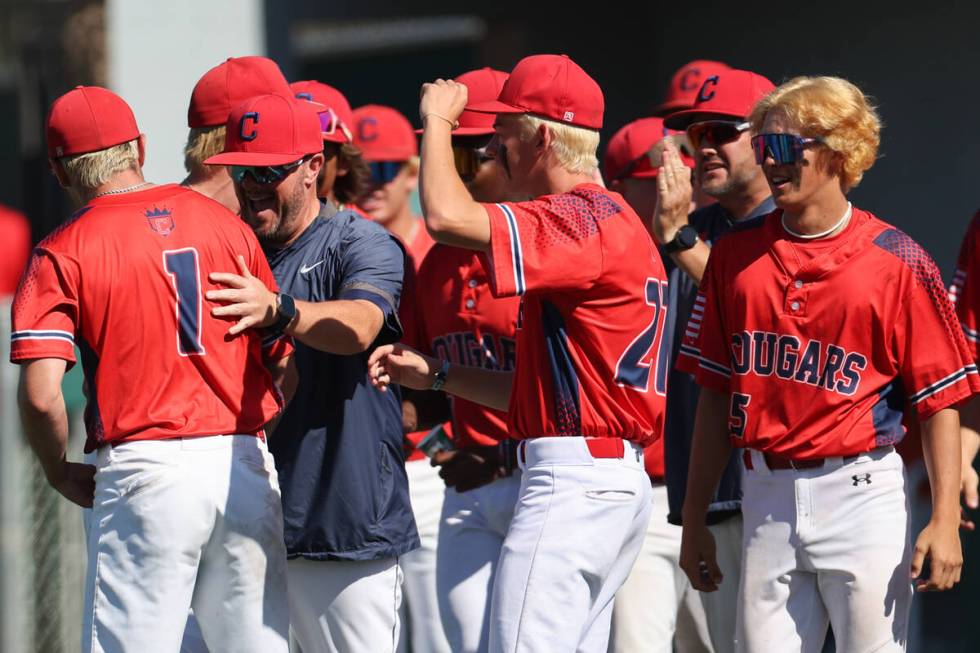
711 222
338 447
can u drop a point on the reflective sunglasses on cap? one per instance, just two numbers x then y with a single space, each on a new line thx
718 132
264 174
781 148
330 124
382 172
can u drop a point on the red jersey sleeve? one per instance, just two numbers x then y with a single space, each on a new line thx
45 309
704 348
936 364
964 292
542 244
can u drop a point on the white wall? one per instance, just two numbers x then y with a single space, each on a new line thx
156 52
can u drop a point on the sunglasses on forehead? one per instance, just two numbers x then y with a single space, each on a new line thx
781 148
382 172
717 132
264 174
330 124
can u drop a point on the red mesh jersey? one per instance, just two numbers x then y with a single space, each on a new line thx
821 345
589 359
124 280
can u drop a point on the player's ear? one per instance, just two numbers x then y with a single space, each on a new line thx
542 142
312 168
141 148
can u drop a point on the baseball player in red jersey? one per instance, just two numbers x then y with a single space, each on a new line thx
183 515
815 329
586 394
220 90
477 329
656 609
964 293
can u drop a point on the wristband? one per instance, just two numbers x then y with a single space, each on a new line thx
440 378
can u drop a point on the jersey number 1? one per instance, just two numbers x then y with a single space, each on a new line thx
646 350
183 268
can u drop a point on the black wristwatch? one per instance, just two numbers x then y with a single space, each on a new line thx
285 312
440 377
685 239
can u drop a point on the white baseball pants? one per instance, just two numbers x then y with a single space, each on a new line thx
827 544
645 614
721 606
341 606
474 525
176 523
577 529
422 626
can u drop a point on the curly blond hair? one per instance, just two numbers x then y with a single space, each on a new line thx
202 144
833 110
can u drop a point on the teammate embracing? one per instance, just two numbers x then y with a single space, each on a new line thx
818 326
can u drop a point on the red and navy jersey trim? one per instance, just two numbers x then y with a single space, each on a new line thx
516 250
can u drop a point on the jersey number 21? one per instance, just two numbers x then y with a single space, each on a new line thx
645 353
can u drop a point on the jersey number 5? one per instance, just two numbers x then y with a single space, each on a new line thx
184 271
646 350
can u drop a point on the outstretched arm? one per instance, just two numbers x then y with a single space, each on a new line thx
405 366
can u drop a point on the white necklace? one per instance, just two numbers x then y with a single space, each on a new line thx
844 218
119 191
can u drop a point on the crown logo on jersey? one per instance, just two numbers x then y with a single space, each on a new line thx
160 220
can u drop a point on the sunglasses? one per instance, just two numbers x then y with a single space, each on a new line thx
469 159
265 174
330 124
382 172
718 132
781 148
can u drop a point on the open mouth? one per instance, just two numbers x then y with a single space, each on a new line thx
778 181
260 202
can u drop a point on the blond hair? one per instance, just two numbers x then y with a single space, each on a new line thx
202 144
574 147
92 169
833 110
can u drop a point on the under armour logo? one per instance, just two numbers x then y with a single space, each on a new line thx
861 478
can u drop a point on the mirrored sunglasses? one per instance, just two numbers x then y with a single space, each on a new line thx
264 174
717 132
781 148
382 172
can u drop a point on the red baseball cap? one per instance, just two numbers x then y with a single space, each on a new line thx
551 86
631 144
686 83
270 130
726 94
89 119
228 84
384 134
336 121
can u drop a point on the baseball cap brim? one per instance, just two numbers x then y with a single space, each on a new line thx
468 131
252 159
669 107
683 119
494 106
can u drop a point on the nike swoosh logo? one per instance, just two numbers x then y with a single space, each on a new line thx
307 268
